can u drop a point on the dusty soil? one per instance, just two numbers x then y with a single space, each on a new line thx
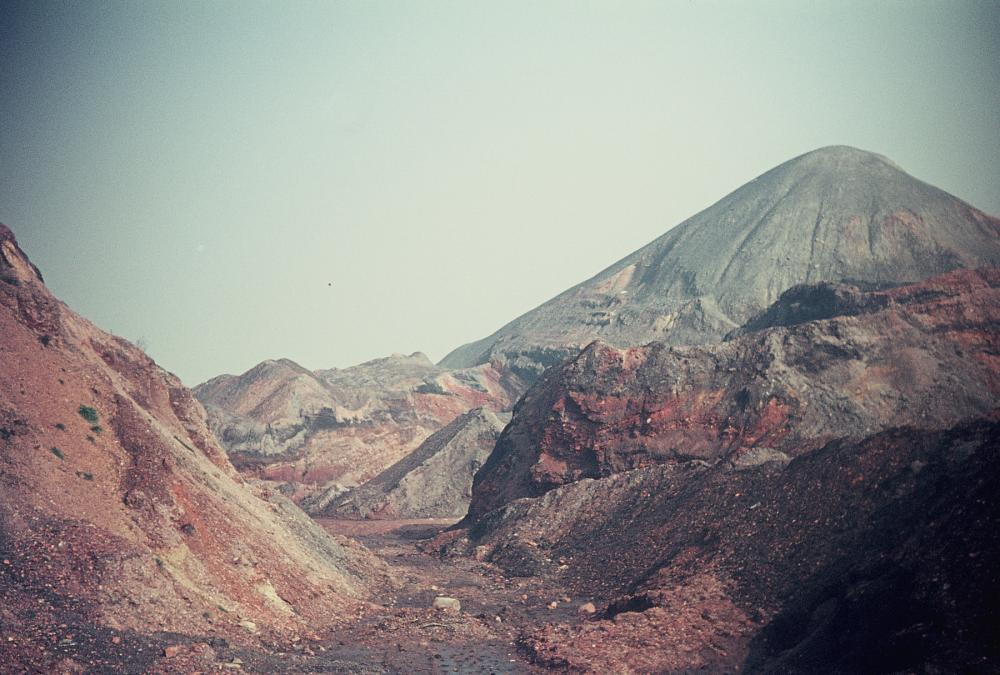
405 634
399 632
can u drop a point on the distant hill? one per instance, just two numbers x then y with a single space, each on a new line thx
324 431
834 214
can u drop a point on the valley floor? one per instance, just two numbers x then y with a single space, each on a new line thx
406 635
402 633
399 632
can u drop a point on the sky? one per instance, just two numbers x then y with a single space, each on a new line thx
332 182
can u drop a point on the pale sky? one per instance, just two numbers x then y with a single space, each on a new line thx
335 181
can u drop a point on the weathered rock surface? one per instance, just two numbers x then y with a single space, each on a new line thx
433 481
923 355
834 214
444 603
328 430
119 513
879 555
754 505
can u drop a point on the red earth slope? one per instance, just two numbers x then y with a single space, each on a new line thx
120 515
924 355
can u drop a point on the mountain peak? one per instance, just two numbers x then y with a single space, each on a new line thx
845 162
15 267
833 214
843 154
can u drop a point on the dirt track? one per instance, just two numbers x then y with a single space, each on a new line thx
408 636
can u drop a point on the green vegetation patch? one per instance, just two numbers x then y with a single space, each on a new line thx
88 413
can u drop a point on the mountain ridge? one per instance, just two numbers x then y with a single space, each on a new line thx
833 214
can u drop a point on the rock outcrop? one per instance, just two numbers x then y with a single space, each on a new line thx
812 495
321 432
120 515
835 214
433 481
921 355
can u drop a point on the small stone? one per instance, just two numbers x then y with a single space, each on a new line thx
553 604
116 640
442 602
170 651
249 626
587 608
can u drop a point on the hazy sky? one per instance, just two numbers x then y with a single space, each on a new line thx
196 174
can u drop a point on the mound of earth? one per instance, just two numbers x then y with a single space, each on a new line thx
433 481
812 494
921 355
324 431
879 555
834 214
121 519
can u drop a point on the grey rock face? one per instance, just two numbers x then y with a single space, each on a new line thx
317 432
921 354
434 481
835 214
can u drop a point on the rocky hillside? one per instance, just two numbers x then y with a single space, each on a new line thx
122 521
922 355
879 555
433 481
332 429
834 214
811 495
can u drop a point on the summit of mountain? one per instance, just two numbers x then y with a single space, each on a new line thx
834 214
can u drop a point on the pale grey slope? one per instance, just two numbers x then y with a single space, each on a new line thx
433 481
837 213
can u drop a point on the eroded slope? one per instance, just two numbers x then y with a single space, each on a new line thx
324 431
120 513
923 355
433 481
